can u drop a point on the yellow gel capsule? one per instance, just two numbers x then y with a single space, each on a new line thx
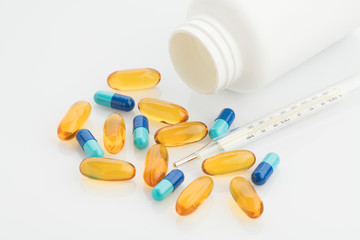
194 195
107 169
74 120
163 111
134 79
181 134
246 197
156 165
114 133
228 162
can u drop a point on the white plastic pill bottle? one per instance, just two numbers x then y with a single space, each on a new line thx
245 44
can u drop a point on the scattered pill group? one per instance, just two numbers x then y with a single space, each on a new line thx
178 132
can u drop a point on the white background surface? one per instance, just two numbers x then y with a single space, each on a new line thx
53 53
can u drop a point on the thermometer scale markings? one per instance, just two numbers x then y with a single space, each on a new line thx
296 112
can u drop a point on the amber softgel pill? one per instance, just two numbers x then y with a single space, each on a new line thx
194 195
228 162
156 165
134 79
114 133
74 120
181 134
163 111
246 197
107 169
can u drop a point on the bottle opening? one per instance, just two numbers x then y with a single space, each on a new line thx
193 62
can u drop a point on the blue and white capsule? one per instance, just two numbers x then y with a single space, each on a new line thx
141 131
89 144
264 170
222 123
114 100
167 185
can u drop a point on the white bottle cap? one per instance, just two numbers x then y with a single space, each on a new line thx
202 55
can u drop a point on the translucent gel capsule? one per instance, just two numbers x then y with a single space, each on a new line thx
156 165
194 195
228 162
134 79
246 197
114 133
163 111
181 134
107 169
74 120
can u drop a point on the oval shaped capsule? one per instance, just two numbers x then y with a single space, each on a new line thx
194 195
74 120
134 79
246 197
162 111
181 134
141 132
265 169
89 144
167 185
228 162
114 133
114 100
156 165
107 169
222 123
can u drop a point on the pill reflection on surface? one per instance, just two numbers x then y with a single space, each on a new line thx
107 169
181 134
228 162
246 197
114 133
74 120
194 195
156 165
162 111
134 79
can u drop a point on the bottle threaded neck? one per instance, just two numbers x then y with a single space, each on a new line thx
202 55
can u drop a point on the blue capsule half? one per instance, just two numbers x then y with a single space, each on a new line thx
264 170
89 144
167 185
222 123
114 100
141 131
